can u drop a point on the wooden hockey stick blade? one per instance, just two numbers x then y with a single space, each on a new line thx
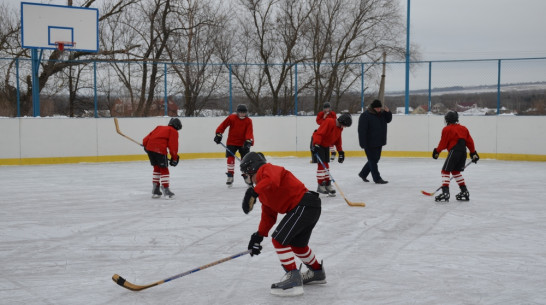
353 204
432 194
428 194
121 133
125 284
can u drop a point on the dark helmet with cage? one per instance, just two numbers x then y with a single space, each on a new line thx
451 117
252 162
242 108
175 122
326 105
345 120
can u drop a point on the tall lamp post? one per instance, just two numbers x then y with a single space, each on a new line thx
407 57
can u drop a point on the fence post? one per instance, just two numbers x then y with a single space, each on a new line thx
95 88
18 93
498 87
296 91
362 87
429 86
166 101
230 92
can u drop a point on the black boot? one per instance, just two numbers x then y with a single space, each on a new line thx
463 195
444 196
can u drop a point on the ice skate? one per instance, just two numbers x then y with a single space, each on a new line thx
444 196
156 192
312 276
322 189
229 181
463 195
291 284
168 193
331 190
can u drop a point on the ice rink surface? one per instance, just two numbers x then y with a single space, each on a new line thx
66 229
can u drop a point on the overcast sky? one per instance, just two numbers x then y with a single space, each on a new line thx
477 29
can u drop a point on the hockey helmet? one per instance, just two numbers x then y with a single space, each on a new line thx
451 117
175 122
242 108
345 120
252 162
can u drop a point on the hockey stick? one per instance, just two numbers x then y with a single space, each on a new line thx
229 151
432 194
125 284
121 133
353 204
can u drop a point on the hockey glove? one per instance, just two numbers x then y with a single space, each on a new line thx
174 162
254 244
475 157
249 200
315 148
247 145
435 154
218 138
341 157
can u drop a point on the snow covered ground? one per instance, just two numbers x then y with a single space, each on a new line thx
66 229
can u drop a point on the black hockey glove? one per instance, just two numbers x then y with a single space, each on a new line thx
254 244
174 162
249 200
315 148
247 145
218 138
475 157
341 157
435 154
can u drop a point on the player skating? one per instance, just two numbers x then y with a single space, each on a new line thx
156 144
328 134
455 138
240 138
327 112
280 192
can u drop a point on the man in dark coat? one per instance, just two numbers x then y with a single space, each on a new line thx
372 136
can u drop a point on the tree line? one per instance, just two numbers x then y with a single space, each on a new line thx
260 43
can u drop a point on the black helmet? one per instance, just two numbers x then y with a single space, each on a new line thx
242 108
451 117
326 105
175 122
252 162
345 120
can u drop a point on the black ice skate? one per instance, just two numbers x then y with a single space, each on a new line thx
156 192
312 276
444 196
229 181
463 195
168 193
331 190
291 284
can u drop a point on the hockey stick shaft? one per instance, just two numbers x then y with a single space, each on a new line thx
123 135
229 151
125 284
432 194
353 204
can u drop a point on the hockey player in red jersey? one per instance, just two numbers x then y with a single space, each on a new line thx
156 144
327 112
240 138
280 192
328 134
455 138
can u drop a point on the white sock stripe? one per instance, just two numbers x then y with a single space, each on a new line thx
286 256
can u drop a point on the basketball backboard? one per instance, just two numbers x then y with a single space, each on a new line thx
42 25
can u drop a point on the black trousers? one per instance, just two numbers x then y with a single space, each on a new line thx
373 154
297 225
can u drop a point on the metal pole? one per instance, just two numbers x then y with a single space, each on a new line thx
35 83
429 86
362 87
95 88
296 91
165 91
18 93
230 91
499 87
407 57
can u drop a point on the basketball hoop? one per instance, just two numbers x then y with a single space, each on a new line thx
61 45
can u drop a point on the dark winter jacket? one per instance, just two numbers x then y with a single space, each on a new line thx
372 128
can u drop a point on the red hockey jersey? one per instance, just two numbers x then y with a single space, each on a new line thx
451 134
279 191
161 138
240 130
328 134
